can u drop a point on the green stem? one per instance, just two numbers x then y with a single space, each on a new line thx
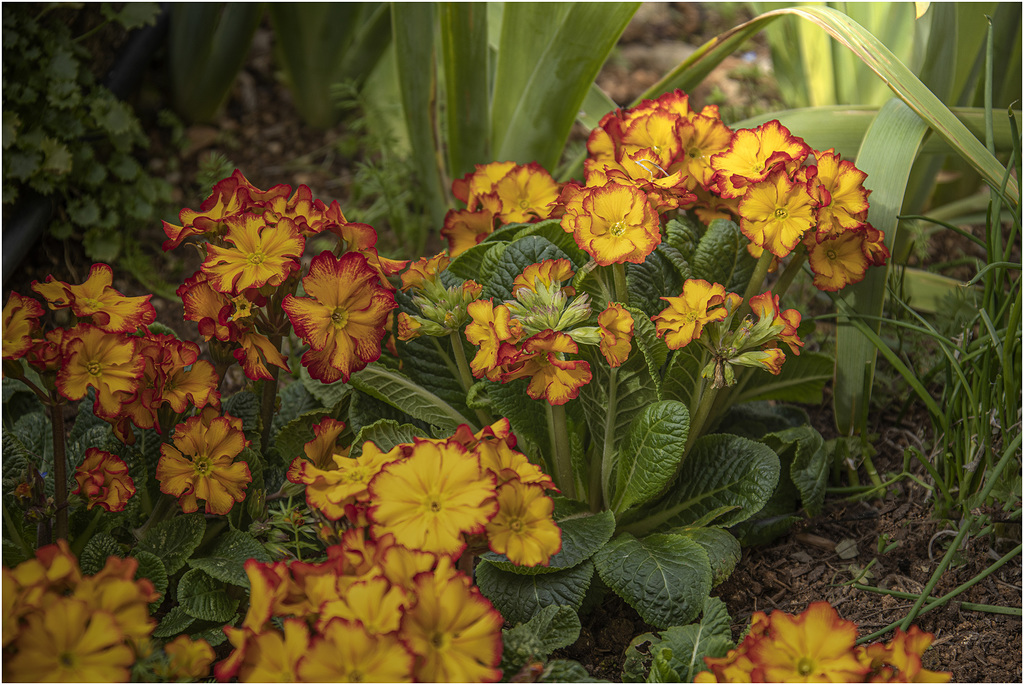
949 595
60 466
697 422
83 539
608 451
989 608
621 287
269 398
788 274
757 278
165 505
947 558
561 456
466 376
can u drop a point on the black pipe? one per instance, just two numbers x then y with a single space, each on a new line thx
33 212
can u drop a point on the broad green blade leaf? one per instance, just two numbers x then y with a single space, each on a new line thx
870 51
596 104
412 25
549 56
226 561
175 539
930 293
583 533
654 445
816 52
802 380
385 434
465 53
204 597
519 598
395 388
887 157
666 578
722 547
369 45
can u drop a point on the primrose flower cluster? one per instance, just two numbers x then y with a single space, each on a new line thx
819 646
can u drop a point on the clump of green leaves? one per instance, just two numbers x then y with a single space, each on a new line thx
66 135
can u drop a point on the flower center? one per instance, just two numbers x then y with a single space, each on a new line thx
695 153
831 254
437 639
781 214
524 204
435 506
89 304
94 368
256 258
66 659
805 666
201 464
618 228
516 525
339 317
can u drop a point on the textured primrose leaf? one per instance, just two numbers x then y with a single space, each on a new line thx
245 405
520 254
648 282
295 401
686 645
583 533
204 597
518 598
468 264
175 622
290 440
226 561
721 256
553 627
175 539
385 434
665 577
722 547
654 445
683 374
99 548
802 449
527 416
152 568
551 229
684 234
424 365
329 395
654 349
565 671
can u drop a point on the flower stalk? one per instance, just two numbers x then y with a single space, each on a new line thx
60 467
466 375
560 452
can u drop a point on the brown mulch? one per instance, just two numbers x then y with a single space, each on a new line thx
261 133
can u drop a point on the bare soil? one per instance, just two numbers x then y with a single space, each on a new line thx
262 134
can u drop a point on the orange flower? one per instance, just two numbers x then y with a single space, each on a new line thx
783 324
899 661
838 187
551 376
754 154
684 319
97 301
21 316
343 318
473 186
101 360
544 274
200 464
270 656
431 499
464 228
263 253
426 268
616 224
616 326
103 479
838 261
776 213
702 137
523 529
525 193
494 332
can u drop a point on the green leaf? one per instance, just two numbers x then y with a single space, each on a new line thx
583 533
666 578
397 390
204 597
520 597
99 548
114 116
683 376
385 434
470 263
520 254
292 438
329 395
551 230
803 455
802 380
684 234
245 405
84 211
175 539
295 401
687 645
721 256
57 157
226 560
527 416
135 14
175 622
720 471
551 628
152 568
722 547
653 447
650 281
465 57
565 671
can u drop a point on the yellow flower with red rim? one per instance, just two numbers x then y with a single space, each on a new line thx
20 317
189 659
347 652
269 656
493 330
265 250
103 479
756 153
616 326
838 188
686 315
541 358
200 464
615 224
104 361
701 138
525 193
523 529
776 213
464 228
342 318
430 500
97 301
843 259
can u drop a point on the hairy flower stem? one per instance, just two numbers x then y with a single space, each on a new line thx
621 288
268 400
608 454
558 431
466 376
60 466
698 420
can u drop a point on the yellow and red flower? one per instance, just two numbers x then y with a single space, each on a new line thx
347 652
97 301
20 317
523 529
843 259
756 153
263 251
101 360
200 464
103 479
616 326
686 315
343 317
189 659
495 332
552 377
776 213
526 193
615 224
838 188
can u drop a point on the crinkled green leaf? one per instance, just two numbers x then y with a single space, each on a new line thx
684 234
551 628
527 416
204 597
520 597
520 254
99 548
802 380
175 622
722 547
329 395
84 211
397 390
654 349
665 577
290 440
682 378
686 645
721 256
565 671
57 157
805 459
295 401
648 282
385 434
226 560
470 262
35 433
756 419
424 364
551 229
654 445
245 405
153 569
583 533
175 539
